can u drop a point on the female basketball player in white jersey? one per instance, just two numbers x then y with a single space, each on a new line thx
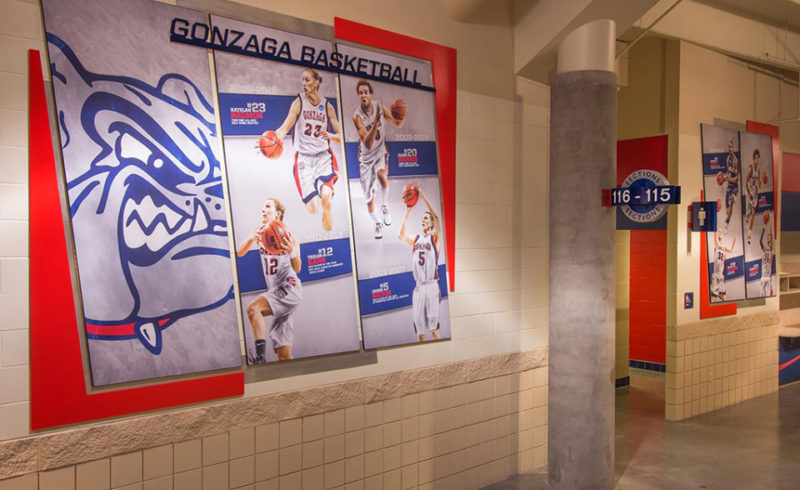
315 168
425 267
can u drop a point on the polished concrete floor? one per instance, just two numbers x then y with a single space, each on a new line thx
753 445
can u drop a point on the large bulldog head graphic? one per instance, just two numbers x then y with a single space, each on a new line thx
146 198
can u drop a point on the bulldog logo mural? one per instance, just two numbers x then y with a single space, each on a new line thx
146 201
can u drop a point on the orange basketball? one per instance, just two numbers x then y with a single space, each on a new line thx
766 217
765 178
270 145
720 178
410 195
272 236
399 109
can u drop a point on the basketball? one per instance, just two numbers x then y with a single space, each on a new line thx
719 205
765 179
766 218
410 195
272 236
720 178
270 145
399 109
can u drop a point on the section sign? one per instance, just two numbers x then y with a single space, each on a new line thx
390 144
722 178
138 140
283 148
759 215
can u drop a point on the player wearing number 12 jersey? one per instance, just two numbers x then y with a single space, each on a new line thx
284 290
315 168
425 267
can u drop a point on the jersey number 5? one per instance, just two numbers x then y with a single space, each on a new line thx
421 258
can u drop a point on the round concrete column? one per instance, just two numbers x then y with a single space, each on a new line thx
583 129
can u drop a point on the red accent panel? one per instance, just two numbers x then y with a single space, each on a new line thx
707 310
648 258
58 390
444 63
790 179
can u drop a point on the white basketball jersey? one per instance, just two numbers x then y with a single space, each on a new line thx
313 119
424 261
766 259
379 145
278 269
752 182
719 263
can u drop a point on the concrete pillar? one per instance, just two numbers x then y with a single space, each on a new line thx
583 129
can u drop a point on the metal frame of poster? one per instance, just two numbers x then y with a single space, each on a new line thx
297 296
758 215
396 205
138 140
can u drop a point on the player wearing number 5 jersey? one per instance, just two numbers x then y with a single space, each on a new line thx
315 168
281 263
425 267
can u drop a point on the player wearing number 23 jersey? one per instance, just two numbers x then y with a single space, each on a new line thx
311 116
280 263
425 268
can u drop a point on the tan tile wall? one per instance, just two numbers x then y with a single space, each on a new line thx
459 437
716 363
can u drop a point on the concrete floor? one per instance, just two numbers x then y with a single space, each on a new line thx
748 446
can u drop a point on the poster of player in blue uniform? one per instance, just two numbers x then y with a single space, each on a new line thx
722 181
390 143
758 209
287 189
139 143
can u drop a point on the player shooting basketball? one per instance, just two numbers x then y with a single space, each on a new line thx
732 178
315 170
372 155
752 186
425 267
280 258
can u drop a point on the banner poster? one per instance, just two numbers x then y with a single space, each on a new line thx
758 208
390 144
138 139
288 198
722 178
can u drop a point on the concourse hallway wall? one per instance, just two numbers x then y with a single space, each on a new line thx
461 413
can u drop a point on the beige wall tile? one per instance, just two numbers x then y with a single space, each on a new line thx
392 410
290 459
215 477
409 476
334 474
354 468
373 438
157 462
313 478
242 442
354 418
161 483
374 482
292 481
58 479
334 448
392 433
241 471
291 432
373 414
215 449
187 455
266 465
392 458
95 475
392 480
373 463
268 485
313 427
314 453
353 443
188 480
126 469
334 423
267 437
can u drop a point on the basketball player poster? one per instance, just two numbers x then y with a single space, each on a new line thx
758 208
722 181
138 140
291 229
390 142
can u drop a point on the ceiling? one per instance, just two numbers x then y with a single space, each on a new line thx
784 14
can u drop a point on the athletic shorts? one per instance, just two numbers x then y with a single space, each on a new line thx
312 172
717 285
425 304
283 300
368 174
730 194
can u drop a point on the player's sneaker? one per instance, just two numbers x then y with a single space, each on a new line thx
748 238
378 231
387 218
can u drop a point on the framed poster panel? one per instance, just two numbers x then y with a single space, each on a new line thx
288 197
722 177
138 139
390 143
759 214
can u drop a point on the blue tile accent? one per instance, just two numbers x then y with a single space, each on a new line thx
620 382
649 366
